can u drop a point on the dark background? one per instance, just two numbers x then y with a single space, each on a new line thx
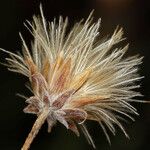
132 15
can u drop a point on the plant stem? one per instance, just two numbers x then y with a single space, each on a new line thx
35 129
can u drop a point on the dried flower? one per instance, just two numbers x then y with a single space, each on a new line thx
74 78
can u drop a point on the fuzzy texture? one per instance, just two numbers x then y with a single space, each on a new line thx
75 78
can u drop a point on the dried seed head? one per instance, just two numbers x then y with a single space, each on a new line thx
74 78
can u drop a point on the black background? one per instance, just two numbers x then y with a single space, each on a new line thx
132 15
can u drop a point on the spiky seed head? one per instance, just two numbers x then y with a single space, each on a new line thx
75 77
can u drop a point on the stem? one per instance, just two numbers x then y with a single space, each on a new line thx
35 129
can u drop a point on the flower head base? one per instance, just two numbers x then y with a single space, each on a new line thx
75 79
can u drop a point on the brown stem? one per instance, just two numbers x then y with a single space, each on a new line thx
35 129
